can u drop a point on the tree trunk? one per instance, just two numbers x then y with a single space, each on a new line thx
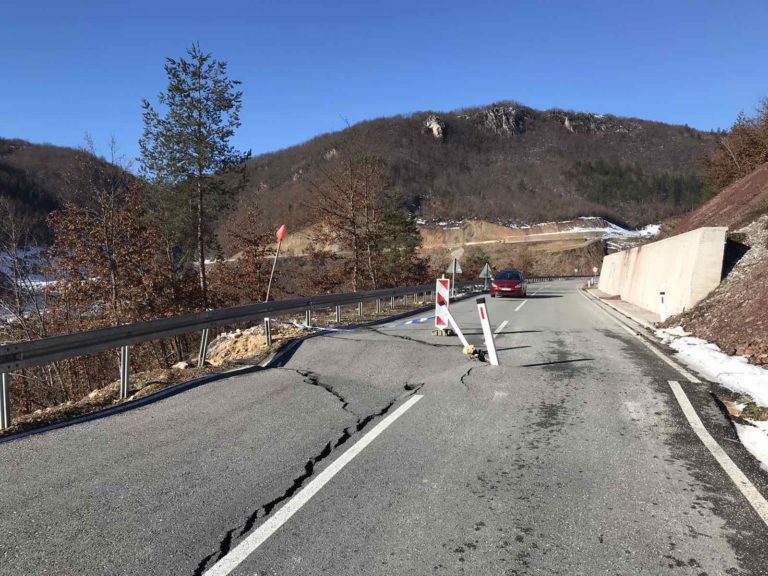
356 261
201 243
371 268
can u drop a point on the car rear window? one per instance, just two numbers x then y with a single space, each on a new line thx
508 275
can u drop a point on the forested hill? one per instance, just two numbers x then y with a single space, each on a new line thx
504 162
39 178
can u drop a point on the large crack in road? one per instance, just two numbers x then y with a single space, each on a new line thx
226 543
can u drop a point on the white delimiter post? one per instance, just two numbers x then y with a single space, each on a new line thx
456 329
663 307
485 321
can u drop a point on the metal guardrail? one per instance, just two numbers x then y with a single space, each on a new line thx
26 354
534 279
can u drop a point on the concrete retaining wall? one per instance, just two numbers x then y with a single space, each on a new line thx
687 267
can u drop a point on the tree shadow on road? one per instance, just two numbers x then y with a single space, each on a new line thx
556 362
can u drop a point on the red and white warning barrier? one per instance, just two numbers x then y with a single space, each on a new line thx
442 301
485 321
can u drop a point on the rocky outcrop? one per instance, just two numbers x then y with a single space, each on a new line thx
436 126
502 119
586 123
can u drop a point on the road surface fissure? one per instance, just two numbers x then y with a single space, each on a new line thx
225 544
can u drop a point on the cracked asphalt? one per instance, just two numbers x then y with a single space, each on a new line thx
571 458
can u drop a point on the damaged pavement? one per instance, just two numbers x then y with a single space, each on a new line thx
571 457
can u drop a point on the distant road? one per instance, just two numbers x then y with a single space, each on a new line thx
386 451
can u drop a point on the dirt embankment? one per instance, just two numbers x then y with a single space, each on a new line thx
735 315
453 236
735 206
479 232
540 259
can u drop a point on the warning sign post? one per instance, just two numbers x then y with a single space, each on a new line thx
442 301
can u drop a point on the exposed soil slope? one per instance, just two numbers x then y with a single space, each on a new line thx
738 204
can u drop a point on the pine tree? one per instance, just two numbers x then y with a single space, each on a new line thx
185 148
397 243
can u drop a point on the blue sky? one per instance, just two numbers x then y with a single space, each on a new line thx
71 67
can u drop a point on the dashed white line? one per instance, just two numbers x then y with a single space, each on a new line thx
500 328
753 496
521 305
232 560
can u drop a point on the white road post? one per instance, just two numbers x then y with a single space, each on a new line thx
5 400
663 306
455 326
485 321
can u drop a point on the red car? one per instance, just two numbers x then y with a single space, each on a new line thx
509 283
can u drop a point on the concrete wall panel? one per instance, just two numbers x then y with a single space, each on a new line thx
686 267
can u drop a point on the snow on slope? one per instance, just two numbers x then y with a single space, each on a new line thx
732 372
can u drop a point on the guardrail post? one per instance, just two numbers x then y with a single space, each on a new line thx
5 401
308 317
378 305
392 303
360 308
338 314
405 299
203 348
268 331
124 372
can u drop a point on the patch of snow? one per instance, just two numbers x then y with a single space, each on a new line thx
667 335
755 439
732 372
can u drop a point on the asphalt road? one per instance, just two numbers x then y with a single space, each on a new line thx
573 457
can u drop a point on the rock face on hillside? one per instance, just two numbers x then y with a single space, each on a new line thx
587 123
502 119
435 126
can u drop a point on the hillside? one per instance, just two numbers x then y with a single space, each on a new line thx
740 203
39 178
503 163
735 315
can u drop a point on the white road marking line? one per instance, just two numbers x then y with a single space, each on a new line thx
537 291
746 487
682 371
521 305
500 328
257 537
